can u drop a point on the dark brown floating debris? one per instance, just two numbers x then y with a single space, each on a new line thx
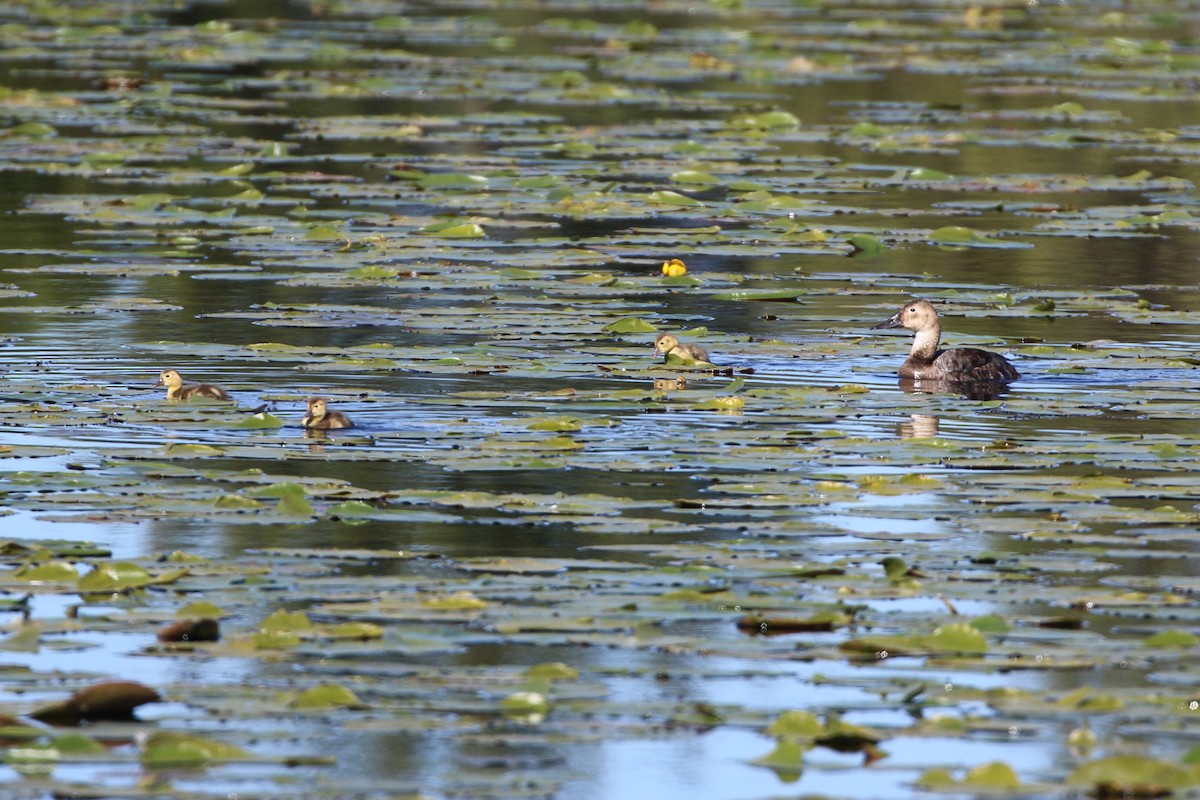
114 700
776 626
1063 623
191 630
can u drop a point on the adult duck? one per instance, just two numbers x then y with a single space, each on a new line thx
958 364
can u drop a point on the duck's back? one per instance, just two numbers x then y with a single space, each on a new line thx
335 420
332 421
962 364
204 390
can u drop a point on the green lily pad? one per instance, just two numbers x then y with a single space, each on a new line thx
170 749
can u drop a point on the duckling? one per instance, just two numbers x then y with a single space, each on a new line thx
667 345
320 418
927 362
177 391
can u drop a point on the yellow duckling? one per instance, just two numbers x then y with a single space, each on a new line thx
320 418
177 391
667 345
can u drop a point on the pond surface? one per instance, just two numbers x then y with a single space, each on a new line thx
545 563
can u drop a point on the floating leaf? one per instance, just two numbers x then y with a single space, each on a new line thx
957 637
282 620
168 749
351 509
458 601
261 420
353 630
954 235
114 576
200 609
553 670
630 325
1133 776
449 180
325 695
694 177
28 639
524 704
801 725
866 246
1176 638
77 744
556 424
761 294
464 230
668 198
787 759
47 571
994 776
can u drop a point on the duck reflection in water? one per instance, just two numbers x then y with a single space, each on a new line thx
968 390
919 426
974 373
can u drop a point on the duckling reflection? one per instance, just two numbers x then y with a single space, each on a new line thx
320 418
919 426
926 362
668 344
670 384
177 391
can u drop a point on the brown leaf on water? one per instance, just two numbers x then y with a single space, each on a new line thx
769 625
191 630
105 700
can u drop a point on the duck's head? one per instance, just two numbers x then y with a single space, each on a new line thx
919 315
665 343
317 407
170 379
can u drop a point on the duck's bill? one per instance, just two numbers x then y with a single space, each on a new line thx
891 322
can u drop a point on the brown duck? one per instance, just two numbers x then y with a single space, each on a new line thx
958 364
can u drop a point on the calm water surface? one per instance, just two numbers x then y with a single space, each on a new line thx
93 371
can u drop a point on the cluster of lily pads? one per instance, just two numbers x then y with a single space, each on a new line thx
544 553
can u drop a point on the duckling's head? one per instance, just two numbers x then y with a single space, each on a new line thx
317 407
919 315
665 343
170 379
